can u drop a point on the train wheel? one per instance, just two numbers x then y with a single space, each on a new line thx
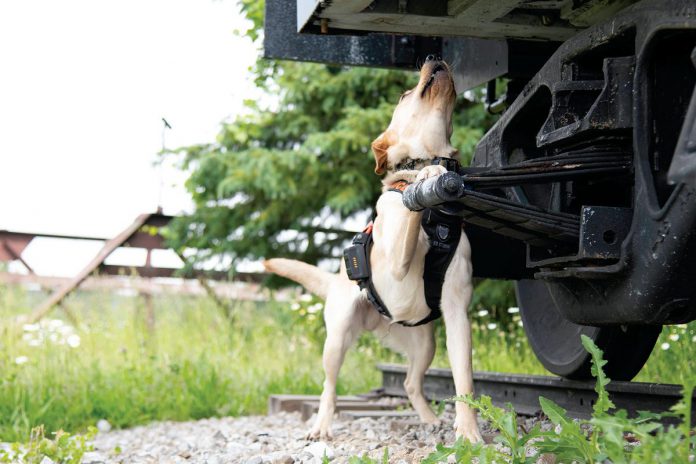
556 341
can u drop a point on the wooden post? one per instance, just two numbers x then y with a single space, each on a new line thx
46 307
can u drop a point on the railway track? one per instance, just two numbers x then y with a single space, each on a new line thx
523 391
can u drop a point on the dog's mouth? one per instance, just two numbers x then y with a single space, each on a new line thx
438 68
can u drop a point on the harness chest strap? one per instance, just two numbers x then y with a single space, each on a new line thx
443 231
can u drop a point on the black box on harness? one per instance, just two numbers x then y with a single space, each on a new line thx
356 257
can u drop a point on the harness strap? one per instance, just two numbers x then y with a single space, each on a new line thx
399 186
374 298
443 231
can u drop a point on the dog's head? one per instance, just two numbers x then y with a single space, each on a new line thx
421 125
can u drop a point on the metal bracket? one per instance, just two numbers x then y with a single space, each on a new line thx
683 167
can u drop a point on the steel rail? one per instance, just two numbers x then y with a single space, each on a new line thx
523 391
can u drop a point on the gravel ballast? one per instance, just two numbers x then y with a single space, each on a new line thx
279 438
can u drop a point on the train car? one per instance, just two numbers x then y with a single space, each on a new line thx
583 191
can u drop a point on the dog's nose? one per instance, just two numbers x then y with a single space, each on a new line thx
429 58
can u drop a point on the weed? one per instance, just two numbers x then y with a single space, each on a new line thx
365 459
438 407
602 438
62 449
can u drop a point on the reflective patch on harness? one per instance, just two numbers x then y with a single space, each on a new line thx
442 231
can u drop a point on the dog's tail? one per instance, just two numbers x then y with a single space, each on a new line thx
310 277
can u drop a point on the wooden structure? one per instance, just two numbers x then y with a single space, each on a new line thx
142 233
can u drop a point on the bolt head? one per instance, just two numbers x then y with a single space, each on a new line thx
451 184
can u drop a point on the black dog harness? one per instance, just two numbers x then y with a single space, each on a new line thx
443 231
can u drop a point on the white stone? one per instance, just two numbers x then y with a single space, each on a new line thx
103 426
318 449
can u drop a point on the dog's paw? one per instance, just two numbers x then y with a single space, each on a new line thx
468 432
319 434
430 171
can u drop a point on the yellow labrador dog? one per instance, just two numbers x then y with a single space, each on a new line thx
420 130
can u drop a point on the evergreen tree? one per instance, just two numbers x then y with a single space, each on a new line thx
281 181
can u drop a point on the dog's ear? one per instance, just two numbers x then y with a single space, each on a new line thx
379 148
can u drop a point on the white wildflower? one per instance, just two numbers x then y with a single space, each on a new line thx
73 340
482 313
315 308
34 342
492 326
693 339
674 337
519 323
681 326
306 297
513 310
65 330
665 346
295 306
30 327
21 359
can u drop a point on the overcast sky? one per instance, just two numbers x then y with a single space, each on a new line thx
83 88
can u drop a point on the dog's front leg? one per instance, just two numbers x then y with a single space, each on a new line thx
397 230
456 296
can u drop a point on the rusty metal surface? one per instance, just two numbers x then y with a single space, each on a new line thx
12 245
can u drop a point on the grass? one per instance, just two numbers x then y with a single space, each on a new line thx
194 364
197 363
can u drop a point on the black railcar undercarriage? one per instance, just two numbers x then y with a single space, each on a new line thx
584 189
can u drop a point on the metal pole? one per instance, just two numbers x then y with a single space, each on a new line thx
165 126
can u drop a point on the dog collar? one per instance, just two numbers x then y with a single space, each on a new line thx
414 164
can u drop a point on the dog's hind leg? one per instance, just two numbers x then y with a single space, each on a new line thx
456 296
342 328
418 343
